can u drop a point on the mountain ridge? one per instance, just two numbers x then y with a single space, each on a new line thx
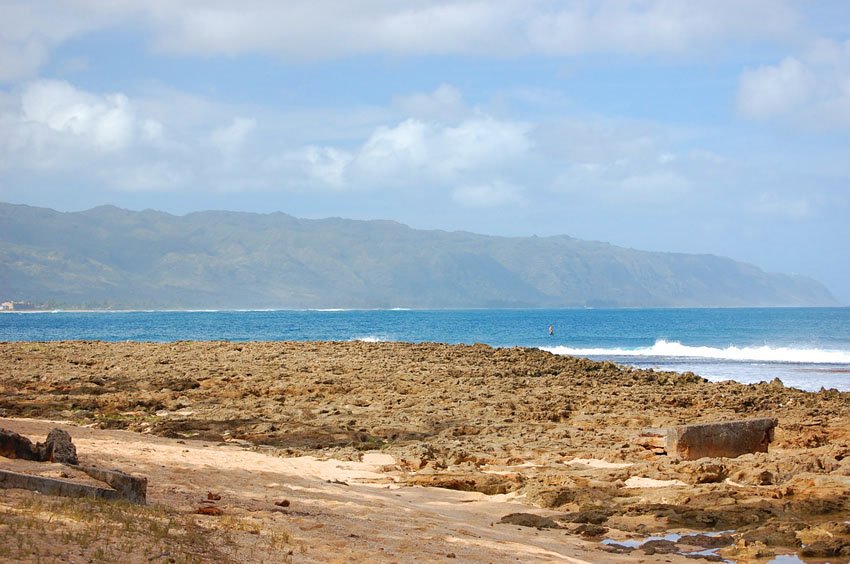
111 257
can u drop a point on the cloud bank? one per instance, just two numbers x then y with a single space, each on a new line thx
311 30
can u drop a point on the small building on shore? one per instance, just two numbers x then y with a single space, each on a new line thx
16 306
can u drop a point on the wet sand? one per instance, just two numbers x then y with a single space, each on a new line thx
520 430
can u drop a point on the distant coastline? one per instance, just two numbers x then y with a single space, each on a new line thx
108 258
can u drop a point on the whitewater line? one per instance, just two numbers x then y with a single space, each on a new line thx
663 348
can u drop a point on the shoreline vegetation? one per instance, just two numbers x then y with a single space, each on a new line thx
491 433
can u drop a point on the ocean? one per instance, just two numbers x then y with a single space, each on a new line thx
807 348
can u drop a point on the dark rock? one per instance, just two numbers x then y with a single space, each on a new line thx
659 547
56 448
590 530
706 557
776 534
529 520
13 445
593 516
489 484
617 548
708 541
827 549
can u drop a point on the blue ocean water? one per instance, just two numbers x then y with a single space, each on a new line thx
808 348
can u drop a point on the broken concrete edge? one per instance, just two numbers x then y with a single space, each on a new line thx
125 487
54 486
132 488
723 439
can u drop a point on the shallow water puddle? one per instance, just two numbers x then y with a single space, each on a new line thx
786 559
673 538
708 552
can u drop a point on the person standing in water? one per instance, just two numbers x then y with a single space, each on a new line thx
551 330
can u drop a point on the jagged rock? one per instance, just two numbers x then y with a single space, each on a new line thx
56 448
659 547
827 549
704 472
709 541
13 445
590 530
489 484
592 516
529 520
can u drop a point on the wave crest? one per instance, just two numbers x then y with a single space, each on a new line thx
765 353
371 339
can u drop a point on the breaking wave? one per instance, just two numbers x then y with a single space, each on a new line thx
663 348
371 339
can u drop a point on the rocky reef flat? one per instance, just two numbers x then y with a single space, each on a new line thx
553 444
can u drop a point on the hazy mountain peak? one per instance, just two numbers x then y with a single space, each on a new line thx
220 259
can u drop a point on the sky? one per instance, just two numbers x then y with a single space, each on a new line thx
716 127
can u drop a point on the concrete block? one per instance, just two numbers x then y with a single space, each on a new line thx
131 488
124 487
726 439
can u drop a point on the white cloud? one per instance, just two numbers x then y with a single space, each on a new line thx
30 30
785 207
414 153
441 153
148 176
106 122
443 104
769 91
229 139
390 150
20 60
812 89
662 26
327 165
304 30
496 193
60 134
655 186
624 164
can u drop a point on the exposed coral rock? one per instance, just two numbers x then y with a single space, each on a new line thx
529 520
469 417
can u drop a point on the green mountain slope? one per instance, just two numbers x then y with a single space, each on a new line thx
119 258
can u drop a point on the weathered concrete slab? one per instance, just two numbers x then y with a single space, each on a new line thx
124 486
59 448
131 488
54 486
726 439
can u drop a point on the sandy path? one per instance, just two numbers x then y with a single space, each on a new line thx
340 511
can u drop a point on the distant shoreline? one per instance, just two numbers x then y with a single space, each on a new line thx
437 309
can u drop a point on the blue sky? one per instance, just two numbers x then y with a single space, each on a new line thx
716 127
